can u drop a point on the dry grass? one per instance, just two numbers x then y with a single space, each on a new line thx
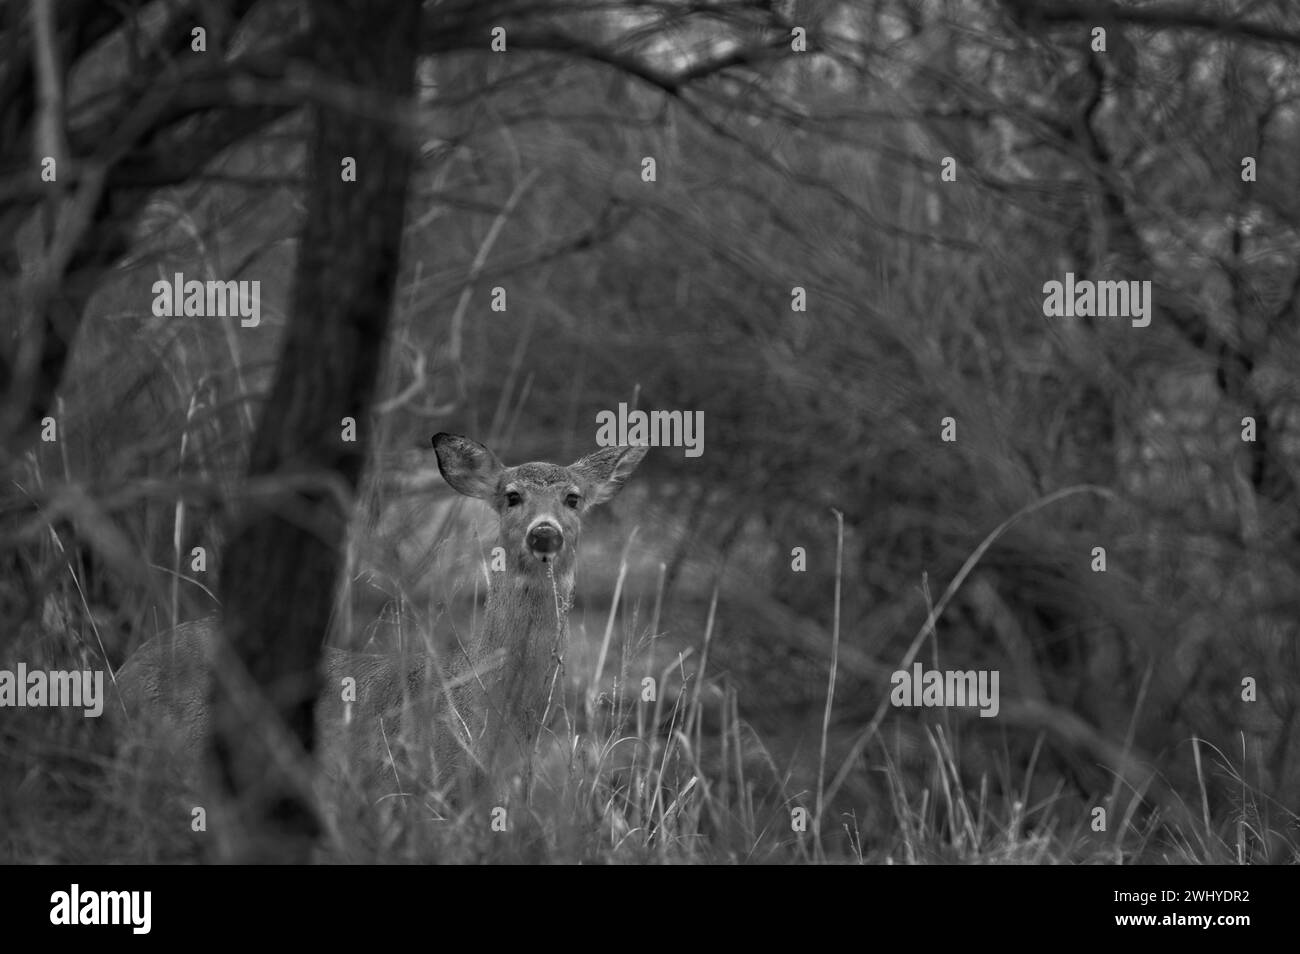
623 777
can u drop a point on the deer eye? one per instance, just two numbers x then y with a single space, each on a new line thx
572 501
513 498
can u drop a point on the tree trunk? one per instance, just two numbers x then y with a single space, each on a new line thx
285 547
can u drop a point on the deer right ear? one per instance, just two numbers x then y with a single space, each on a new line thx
605 471
468 467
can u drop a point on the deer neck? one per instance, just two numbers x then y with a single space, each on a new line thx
527 626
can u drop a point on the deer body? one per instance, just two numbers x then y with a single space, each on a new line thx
479 711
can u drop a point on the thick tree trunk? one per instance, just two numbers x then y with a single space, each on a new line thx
284 552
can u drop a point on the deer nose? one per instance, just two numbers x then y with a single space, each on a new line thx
545 539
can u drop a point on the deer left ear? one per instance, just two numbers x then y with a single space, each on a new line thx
605 471
467 466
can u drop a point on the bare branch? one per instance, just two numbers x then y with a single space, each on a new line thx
1171 17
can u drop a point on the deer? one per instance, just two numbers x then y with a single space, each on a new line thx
481 710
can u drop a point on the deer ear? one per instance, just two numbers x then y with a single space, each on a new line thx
605 471
467 466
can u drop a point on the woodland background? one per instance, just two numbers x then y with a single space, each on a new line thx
776 167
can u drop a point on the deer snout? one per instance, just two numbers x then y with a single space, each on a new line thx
545 540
